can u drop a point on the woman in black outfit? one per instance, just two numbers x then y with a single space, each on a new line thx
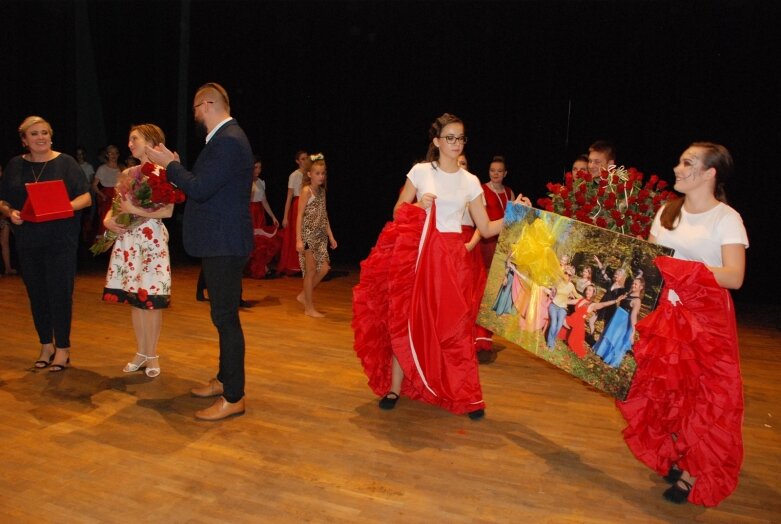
46 250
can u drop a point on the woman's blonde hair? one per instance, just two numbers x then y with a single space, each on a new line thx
30 121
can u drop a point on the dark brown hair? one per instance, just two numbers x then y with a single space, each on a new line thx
716 156
433 132
605 147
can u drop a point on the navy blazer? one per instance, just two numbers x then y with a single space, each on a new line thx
217 219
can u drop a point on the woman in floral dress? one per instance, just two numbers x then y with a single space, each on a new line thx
139 272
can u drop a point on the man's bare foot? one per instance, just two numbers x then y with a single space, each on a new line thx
300 297
313 313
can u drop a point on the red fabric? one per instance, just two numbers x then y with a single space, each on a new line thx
688 384
482 337
267 244
103 207
424 317
258 214
576 336
496 204
288 256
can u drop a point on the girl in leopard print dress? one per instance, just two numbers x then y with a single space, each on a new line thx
313 233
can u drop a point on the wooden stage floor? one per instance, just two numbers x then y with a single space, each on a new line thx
95 445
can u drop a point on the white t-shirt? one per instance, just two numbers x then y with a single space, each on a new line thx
699 236
258 191
89 171
294 182
107 176
454 191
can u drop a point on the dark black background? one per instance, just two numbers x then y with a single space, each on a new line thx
535 81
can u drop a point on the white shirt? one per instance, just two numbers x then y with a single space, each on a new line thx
294 182
107 176
217 128
699 236
258 191
454 191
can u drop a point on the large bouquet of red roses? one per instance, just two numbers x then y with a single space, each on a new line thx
146 187
617 199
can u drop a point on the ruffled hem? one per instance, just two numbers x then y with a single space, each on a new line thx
120 296
431 339
688 384
387 273
267 245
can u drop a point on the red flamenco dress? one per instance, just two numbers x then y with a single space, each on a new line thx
415 301
267 242
288 256
576 336
685 406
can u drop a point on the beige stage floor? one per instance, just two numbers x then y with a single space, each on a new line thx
95 445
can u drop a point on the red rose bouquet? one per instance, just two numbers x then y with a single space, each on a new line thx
146 187
618 199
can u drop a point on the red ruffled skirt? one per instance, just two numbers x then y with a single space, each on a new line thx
420 308
685 405
288 256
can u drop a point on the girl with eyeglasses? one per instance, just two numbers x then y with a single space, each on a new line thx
414 305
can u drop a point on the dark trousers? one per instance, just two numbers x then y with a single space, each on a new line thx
48 271
223 280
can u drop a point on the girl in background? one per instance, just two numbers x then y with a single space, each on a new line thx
288 259
267 240
313 233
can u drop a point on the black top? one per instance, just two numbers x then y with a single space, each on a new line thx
19 172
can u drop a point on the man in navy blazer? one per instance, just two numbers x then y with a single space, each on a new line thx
218 228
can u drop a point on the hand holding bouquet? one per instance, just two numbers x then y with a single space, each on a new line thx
618 199
145 187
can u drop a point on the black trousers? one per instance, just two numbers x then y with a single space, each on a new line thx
223 280
49 271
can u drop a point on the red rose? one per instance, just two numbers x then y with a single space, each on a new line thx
148 168
601 191
601 222
661 185
142 294
636 228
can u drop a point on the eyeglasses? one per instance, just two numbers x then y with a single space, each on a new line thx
452 139
196 106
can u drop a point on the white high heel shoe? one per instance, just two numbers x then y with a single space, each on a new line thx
150 372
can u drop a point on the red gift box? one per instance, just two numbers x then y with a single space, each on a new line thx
46 201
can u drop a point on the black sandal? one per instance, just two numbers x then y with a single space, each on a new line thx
389 400
56 368
678 493
673 474
41 364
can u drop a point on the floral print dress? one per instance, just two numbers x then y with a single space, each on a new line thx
139 272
